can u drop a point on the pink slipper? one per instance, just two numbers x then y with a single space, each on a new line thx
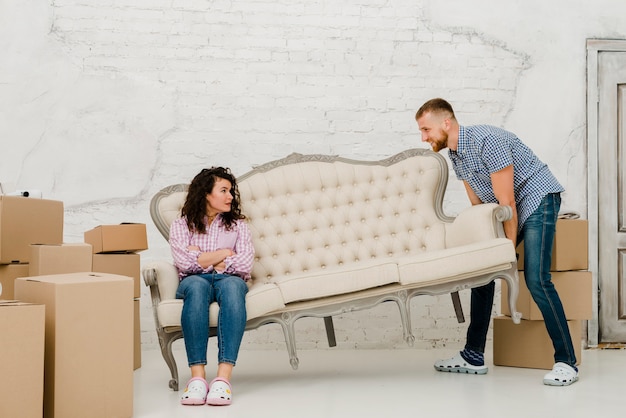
195 392
220 392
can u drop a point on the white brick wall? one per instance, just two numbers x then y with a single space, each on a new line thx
106 101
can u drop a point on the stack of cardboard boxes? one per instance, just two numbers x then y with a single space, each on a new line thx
21 358
25 221
116 250
528 344
88 361
66 328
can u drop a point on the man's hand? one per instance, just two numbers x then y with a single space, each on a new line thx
502 183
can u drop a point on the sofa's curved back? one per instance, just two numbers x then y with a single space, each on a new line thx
311 212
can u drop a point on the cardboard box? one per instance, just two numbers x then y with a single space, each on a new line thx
47 259
122 264
570 250
575 288
528 344
8 274
126 237
25 221
137 335
89 335
22 333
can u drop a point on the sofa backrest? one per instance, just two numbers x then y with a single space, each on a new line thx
312 212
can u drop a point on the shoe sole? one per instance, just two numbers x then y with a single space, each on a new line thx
190 401
549 382
460 370
218 402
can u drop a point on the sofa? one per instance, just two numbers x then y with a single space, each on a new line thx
334 235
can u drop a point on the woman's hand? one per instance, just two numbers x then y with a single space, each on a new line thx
221 266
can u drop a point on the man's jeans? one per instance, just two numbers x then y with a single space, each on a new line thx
538 234
198 292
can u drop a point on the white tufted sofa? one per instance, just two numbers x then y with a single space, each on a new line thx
334 235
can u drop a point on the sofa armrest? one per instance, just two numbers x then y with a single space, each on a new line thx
477 223
161 276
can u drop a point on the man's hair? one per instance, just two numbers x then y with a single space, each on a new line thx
436 106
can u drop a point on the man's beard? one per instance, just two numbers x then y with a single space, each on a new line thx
440 143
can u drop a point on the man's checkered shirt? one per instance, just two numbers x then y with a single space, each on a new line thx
485 149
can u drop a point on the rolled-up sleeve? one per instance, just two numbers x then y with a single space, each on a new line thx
186 261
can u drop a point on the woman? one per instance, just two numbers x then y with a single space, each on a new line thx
213 253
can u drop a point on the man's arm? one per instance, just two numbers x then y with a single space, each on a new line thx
474 199
502 182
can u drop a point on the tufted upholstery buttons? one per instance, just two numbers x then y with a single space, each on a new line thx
318 214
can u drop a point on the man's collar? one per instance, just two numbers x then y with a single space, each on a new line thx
462 141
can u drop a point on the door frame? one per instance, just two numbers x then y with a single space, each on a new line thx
594 47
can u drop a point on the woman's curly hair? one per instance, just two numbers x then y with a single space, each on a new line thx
202 184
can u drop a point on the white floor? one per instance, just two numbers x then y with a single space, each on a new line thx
381 383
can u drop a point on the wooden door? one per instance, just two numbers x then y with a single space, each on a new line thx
608 229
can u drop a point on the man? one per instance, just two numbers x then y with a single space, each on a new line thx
496 167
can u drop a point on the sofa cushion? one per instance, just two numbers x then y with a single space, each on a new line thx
448 265
261 299
337 280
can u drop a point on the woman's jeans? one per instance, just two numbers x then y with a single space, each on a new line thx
538 236
198 292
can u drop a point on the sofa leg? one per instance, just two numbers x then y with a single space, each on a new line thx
165 341
330 331
458 309
403 301
286 321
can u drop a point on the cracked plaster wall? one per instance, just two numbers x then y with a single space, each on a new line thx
104 102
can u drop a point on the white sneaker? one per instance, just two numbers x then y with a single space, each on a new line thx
562 374
457 364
